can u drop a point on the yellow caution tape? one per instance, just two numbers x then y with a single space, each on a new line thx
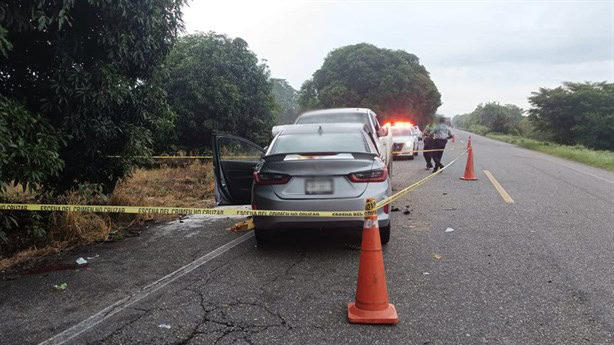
406 190
176 210
371 208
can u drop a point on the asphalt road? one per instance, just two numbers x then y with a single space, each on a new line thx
539 270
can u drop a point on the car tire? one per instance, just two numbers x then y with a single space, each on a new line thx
410 157
263 237
384 234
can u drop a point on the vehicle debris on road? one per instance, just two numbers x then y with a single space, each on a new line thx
81 261
61 287
242 226
449 230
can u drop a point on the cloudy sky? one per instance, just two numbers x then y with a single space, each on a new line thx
476 51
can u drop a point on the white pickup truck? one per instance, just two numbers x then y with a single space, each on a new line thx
381 136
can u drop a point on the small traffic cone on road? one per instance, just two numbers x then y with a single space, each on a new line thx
469 174
371 304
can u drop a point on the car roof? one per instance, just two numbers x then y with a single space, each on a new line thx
326 128
339 111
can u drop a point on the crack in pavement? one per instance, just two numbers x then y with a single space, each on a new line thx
287 271
228 326
154 287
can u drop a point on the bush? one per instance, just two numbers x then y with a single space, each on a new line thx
478 129
597 131
29 147
28 155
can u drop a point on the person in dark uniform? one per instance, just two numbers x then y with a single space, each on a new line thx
441 134
427 138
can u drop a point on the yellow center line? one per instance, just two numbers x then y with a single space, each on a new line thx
506 197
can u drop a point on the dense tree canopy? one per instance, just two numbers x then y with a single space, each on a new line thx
393 83
216 84
287 101
307 96
576 113
86 69
492 117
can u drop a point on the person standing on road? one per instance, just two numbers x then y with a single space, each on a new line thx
427 138
441 134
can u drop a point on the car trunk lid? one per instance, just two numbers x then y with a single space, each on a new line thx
319 175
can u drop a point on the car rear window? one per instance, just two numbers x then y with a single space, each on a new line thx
333 118
326 142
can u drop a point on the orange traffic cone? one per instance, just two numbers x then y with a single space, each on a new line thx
469 175
371 304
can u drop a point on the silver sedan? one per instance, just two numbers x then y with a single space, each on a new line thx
327 167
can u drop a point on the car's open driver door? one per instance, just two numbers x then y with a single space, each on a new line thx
234 160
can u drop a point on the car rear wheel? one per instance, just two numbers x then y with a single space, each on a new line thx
384 234
410 157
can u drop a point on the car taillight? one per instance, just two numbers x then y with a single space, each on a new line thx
369 176
386 208
270 178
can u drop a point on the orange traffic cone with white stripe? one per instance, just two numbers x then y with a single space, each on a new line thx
371 304
469 174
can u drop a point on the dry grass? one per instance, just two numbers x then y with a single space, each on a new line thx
190 185
28 255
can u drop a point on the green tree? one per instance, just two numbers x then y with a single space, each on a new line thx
287 100
567 111
393 83
28 155
492 117
307 96
87 69
460 121
28 147
216 84
597 131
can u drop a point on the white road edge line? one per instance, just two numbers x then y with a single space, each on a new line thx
124 303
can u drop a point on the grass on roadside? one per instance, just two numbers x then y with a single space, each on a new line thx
189 185
578 153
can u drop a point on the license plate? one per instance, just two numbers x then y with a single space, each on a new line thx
319 187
